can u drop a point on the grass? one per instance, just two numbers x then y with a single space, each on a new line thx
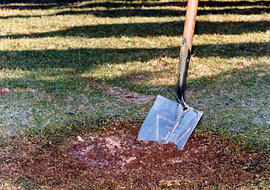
54 55
58 59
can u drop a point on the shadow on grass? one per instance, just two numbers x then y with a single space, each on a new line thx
175 3
35 4
238 102
173 28
244 78
163 12
147 12
47 4
85 59
58 86
39 1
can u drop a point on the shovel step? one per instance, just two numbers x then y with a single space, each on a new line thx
167 122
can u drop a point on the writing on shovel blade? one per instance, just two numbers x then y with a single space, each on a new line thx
167 122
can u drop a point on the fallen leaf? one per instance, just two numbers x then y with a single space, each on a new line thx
4 91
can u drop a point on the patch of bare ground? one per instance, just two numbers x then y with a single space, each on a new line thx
114 159
124 94
128 96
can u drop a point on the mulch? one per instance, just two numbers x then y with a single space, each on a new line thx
113 158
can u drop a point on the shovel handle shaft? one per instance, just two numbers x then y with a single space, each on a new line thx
190 21
185 51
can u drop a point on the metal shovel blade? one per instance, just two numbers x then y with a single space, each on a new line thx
167 122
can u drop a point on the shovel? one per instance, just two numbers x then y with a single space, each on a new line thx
169 121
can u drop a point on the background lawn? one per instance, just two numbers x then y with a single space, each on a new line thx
61 58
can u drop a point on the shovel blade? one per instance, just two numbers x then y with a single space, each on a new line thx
167 122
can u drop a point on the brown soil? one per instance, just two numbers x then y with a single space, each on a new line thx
114 159
128 96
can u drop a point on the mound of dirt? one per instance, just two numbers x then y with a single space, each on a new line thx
122 151
114 159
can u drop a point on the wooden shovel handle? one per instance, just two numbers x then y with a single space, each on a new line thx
185 51
190 21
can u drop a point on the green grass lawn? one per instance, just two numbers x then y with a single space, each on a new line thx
58 60
54 55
